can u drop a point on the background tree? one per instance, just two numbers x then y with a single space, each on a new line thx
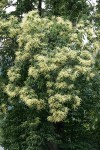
8 45
71 9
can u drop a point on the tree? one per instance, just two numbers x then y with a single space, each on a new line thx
33 125
22 6
53 74
9 29
70 9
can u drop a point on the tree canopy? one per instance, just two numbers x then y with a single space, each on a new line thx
49 80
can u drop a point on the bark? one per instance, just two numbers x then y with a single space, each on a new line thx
40 7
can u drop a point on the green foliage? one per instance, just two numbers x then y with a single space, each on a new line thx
9 29
8 32
52 97
71 9
3 4
51 59
1 130
54 78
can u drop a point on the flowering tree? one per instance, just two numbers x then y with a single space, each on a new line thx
52 57
54 76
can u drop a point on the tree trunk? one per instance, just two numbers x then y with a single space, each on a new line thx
52 146
40 7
